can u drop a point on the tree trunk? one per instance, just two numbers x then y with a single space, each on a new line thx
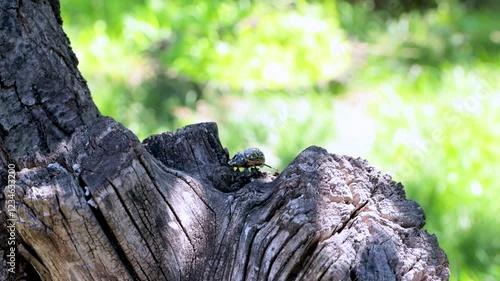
94 203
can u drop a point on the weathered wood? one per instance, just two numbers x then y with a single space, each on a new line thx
94 203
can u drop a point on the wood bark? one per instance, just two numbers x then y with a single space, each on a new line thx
94 203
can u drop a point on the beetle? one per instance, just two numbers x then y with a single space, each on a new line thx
250 157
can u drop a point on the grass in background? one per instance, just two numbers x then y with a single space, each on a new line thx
414 91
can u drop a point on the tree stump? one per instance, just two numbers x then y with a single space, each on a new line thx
94 203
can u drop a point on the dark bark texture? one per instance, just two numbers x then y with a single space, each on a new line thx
94 203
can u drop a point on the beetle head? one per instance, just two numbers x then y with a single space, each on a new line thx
237 161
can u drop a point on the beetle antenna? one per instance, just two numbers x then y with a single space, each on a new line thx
271 168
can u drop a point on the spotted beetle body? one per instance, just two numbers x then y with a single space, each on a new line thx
250 157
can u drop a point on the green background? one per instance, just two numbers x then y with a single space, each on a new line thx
412 86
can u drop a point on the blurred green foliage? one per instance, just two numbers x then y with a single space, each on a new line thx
413 88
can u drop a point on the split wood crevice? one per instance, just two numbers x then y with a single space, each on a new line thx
111 208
